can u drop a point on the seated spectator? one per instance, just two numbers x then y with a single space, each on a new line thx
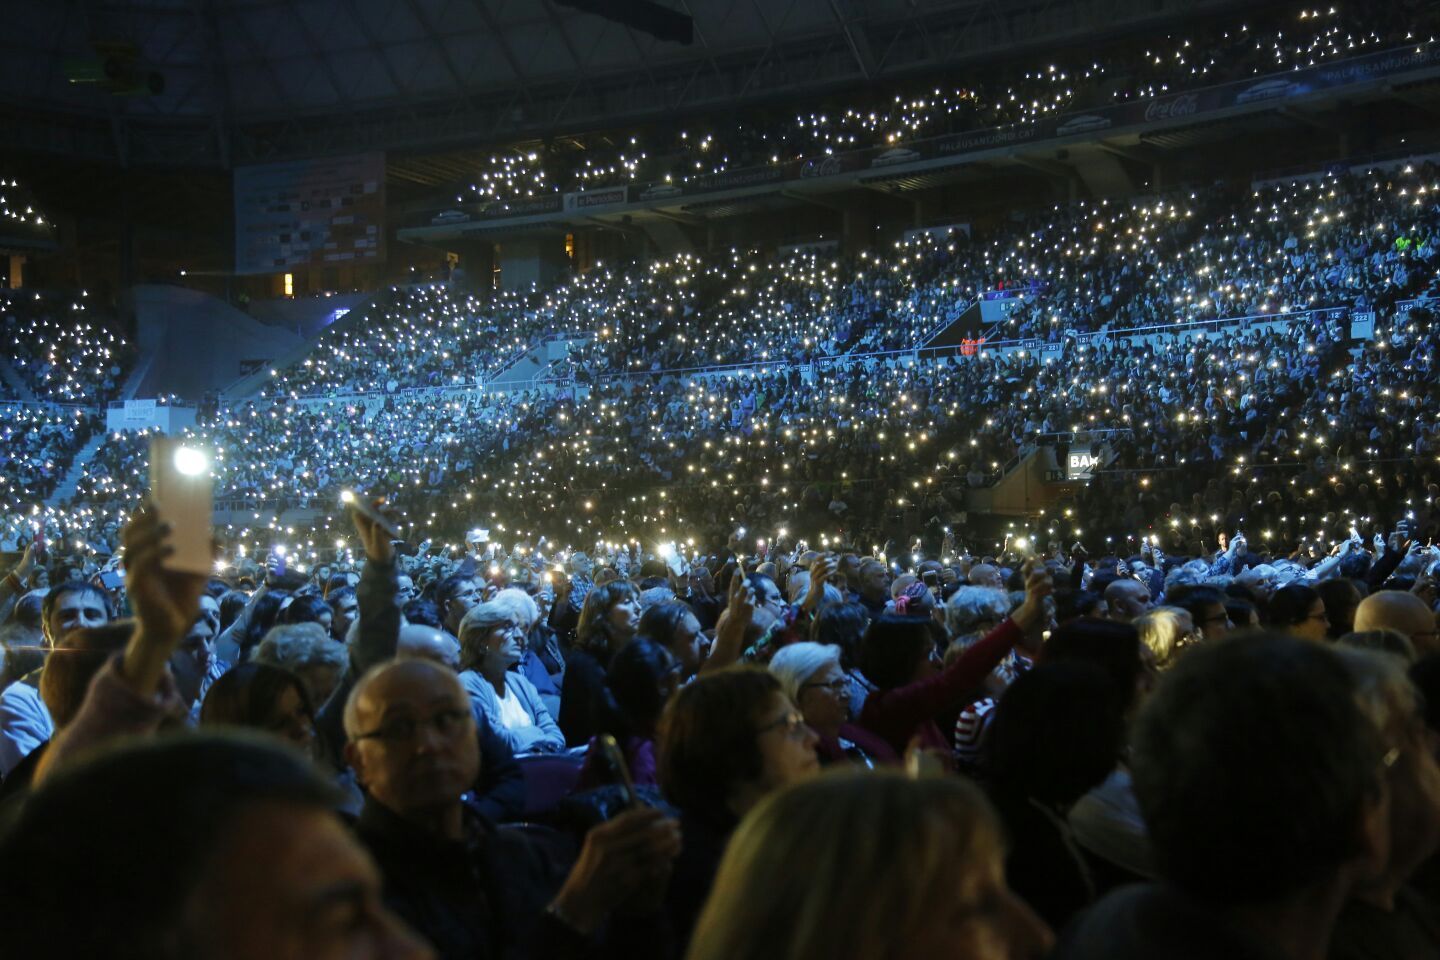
727 739
306 650
1258 839
675 626
1056 735
263 697
843 625
810 675
899 656
491 640
1165 632
471 888
1402 612
1297 609
1206 606
930 854
1384 916
643 677
608 621
1341 597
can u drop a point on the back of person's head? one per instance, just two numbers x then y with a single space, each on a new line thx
73 664
29 611
264 614
336 581
106 857
423 612
893 649
975 610
247 694
305 609
1114 647
1290 606
1392 642
231 603
707 744
640 677
297 645
1056 734
1241 610
1165 631
1253 767
841 625
1396 610
788 884
794 664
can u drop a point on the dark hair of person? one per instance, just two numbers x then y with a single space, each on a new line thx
246 695
1425 674
1112 646
1341 596
143 817
1290 606
660 622
423 612
636 674
447 589
1194 598
1239 610
29 611
707 744
263 615
333 598
841 625
1070 604
230 606
52 599
1252 763
336 582
592 632
1057 733
217 588
73 664
650 583
893 647
306 609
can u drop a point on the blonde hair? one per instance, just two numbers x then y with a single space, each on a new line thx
790 883
1160 630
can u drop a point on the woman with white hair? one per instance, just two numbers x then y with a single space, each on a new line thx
492 638
811 676
1165 631
541 662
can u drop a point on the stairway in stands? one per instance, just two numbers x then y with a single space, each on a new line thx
18 388
71 480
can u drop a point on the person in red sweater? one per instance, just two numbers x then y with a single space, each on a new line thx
900 656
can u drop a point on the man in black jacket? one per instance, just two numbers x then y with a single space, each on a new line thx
474 889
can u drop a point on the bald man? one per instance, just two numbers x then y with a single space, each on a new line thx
474 889
1128 599
986 575
429 643
1402 612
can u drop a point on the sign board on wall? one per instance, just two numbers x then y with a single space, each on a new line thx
310 213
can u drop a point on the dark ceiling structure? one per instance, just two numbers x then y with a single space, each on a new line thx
215 83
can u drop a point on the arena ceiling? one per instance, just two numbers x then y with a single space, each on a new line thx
219 82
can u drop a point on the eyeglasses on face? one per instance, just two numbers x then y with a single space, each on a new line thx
792 724
840 685
447 723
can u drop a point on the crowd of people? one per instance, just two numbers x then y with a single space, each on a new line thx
1227 752
59 352
1362 239
1253 42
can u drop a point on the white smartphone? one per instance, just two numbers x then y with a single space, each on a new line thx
182 487
361 504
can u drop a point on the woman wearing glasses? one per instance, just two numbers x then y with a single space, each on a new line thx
727 740
812 677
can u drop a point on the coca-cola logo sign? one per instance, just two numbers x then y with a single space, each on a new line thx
822 167
1181 106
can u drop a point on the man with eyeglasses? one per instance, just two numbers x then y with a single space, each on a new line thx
474 889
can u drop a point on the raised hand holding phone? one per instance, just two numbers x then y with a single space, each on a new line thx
165 601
